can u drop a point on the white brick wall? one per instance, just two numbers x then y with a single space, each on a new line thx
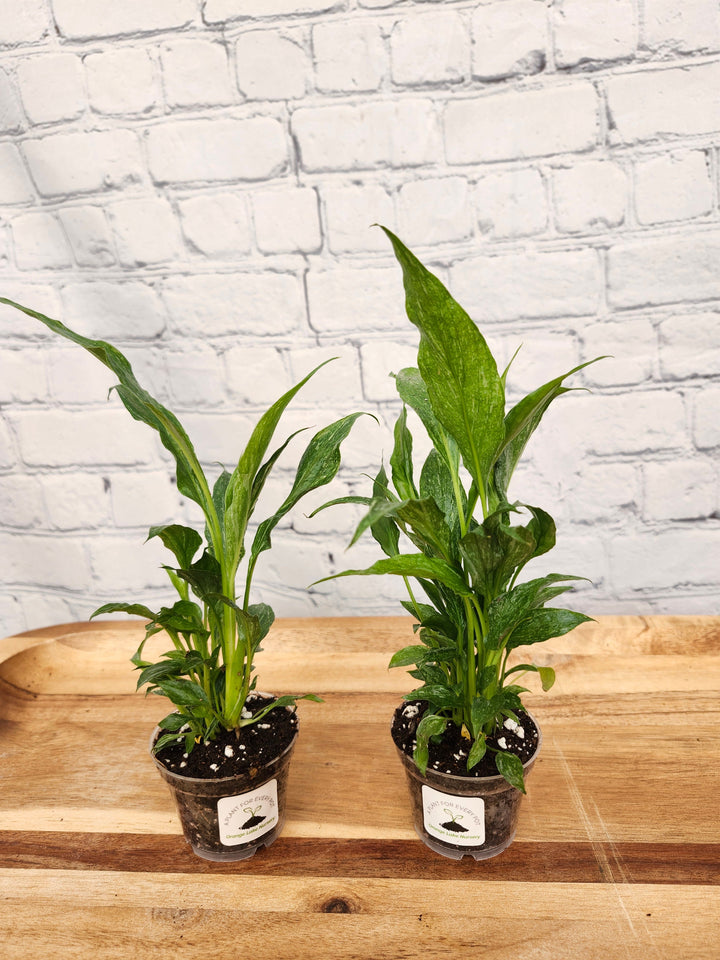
122 82
197 181
509 39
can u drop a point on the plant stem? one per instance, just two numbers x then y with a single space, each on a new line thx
248 580
412 598
471 630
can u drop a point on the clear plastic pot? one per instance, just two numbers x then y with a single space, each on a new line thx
231 818
464 816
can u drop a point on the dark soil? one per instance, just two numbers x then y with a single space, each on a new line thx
250 746
450 754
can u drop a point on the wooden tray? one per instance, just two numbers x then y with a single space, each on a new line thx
617 853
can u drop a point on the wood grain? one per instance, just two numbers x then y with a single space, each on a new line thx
617 853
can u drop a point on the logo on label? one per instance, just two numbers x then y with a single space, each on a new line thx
457 820
248 816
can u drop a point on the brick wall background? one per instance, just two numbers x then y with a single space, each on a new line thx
196 182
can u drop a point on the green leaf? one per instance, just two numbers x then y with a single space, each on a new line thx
547 677
363 501
436 637
173 722
265 617
505 372
318 466
482 711
380 510
288 700
426 615
379 517
442 697
431 725
136 609
239 492
165 740
183 617
520 424
511 608
413 391
422 654
507 700
544 624
162 670
141 406
384 530
218 497
421 756
542 528
428 529
547 674
409 655
430 674
412 565
183 693
422 521
446 654
477 752
183 542
401 461
464 387
204 576
266 468
436 484
493 552
511 769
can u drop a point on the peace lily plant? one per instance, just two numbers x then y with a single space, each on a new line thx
453 534
215 631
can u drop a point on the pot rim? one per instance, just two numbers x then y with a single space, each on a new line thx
496 778
219 781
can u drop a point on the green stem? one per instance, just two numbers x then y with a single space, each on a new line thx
248 581
481 637
177 642
412 598
471 633
483 500
503 669
457 489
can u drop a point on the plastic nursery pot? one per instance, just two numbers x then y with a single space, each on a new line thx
232 817
464 816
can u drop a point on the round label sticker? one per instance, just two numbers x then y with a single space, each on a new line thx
249 815
458 820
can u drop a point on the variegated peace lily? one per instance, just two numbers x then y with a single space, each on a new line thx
468 552
208 673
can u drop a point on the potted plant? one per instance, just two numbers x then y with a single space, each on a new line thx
225 748
462 734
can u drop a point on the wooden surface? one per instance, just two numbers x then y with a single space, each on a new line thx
617 853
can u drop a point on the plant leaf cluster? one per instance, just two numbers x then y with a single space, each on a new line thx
215 632
470 545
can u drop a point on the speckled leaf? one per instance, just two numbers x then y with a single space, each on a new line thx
413 391
317 467
413 565
401 462
457 366
141 406
521 422
239 492
510 767
183 542
544 624
477 752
